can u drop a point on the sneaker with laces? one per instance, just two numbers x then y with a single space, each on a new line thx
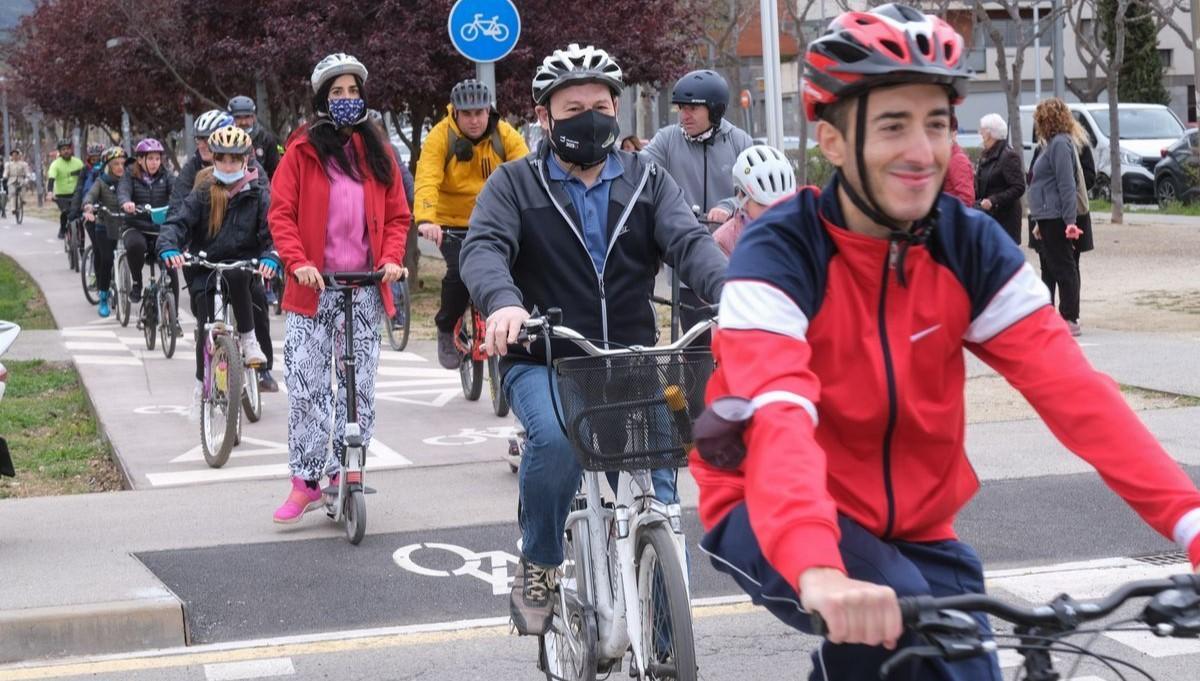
447 354
252 351
530 603
300 500
135 293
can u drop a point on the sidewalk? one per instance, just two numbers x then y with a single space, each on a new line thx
73 585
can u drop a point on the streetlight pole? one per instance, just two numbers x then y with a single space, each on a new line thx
772 78
1196 56
4 103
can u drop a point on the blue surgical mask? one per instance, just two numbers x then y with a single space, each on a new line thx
346 112
229 178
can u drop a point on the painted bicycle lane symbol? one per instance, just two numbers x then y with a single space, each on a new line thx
472 436
497 574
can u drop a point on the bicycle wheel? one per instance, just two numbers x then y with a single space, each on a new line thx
148 317
219 411
19 209
666 613
354 517
398 333
277 284
124 285
87 277
166 322
69 247
251 397
470 370
499 401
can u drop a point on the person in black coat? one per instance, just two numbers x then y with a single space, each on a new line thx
999 178
145 183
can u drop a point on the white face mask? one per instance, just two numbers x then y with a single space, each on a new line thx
229 178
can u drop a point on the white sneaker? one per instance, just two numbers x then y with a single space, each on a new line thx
252 352
194 410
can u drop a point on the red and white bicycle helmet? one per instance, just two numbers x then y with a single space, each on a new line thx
892 44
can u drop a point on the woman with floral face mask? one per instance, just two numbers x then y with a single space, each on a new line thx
337 205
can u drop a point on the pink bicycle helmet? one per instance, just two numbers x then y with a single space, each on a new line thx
147 146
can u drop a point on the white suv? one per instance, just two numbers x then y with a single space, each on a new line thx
1145 130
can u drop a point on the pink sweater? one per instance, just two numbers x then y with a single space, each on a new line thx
346 245
728 233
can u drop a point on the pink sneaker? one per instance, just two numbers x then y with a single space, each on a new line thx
300 501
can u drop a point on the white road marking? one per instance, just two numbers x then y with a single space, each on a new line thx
379 457
250 669
441 397
418 372
83 345
107 359
84 332
405 356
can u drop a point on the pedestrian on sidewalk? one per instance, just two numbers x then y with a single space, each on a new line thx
1057 198
999 179
337 205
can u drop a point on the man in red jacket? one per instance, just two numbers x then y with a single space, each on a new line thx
831 462
960 175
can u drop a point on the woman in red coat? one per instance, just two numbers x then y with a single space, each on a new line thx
337 205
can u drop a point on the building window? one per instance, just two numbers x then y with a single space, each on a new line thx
1165 56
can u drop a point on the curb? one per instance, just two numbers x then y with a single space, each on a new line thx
90 629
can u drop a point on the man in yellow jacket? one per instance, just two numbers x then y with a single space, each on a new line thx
459 154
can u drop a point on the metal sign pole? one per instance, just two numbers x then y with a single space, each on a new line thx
486 72
772 77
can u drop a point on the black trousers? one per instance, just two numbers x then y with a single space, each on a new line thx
103 252
203 289
64 210
455 296
1060 261
137 245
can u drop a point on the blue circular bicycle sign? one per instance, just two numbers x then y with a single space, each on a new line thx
484 30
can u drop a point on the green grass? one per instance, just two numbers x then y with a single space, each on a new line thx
21 301
52 434
1190 209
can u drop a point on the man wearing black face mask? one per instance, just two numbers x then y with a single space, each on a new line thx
579 226
459 154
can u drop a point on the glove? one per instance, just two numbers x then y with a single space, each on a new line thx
167 255
269 262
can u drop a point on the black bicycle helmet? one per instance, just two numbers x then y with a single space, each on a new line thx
242 106
471 94
703 87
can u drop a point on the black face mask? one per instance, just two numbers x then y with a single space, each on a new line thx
584 139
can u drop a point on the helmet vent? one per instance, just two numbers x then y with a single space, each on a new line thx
847 53
893 47
923 45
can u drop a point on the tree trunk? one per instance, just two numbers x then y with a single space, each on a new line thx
263 103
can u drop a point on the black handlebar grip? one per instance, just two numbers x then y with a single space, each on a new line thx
819 627
910 610
554 316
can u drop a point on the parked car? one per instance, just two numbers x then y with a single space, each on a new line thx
1177 175
1145 129
8 333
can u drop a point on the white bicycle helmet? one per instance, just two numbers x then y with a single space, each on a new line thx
210 121
336 64
764 174
573 66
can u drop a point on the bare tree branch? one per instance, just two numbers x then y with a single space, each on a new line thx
136 25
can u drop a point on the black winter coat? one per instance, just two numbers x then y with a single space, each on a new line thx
154 191
1000 179
243 232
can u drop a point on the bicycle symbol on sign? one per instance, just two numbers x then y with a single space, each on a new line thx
491 28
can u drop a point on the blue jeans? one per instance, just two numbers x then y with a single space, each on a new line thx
942 568
550 473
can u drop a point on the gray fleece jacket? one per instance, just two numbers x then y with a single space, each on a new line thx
1052 189
703 170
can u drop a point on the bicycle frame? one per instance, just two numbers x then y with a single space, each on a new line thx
219 325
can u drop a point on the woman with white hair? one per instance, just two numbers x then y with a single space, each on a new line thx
999 179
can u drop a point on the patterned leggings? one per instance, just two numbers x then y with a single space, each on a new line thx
310 344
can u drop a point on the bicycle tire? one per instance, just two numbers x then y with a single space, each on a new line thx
567 652
663 600
87 274
148 317
398 336
252 396
278 283
354 516
216 452
124 285
19 209
499 400
167 318
470 370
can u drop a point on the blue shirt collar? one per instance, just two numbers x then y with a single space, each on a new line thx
613 168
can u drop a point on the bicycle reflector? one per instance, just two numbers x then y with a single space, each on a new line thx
719 431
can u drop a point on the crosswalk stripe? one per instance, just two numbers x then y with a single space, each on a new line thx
114 360
81 345
249 669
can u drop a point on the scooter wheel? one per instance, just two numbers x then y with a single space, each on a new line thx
355 516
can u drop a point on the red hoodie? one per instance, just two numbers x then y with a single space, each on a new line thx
960 177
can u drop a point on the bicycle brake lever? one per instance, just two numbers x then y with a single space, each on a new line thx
1174 613
903 656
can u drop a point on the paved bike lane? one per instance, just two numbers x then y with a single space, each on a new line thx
142 398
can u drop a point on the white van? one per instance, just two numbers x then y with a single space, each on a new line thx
1145 130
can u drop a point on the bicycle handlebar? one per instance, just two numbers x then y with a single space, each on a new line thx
352 279
247 265
535 327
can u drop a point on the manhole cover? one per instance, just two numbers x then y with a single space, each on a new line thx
1167 558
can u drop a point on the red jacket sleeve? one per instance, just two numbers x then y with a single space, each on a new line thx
1086 412
783 477
396 220
960 178
284 213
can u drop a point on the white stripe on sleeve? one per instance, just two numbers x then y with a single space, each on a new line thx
1187 528
755 305
772 396
1020 297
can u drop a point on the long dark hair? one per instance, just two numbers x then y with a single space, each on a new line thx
328 141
